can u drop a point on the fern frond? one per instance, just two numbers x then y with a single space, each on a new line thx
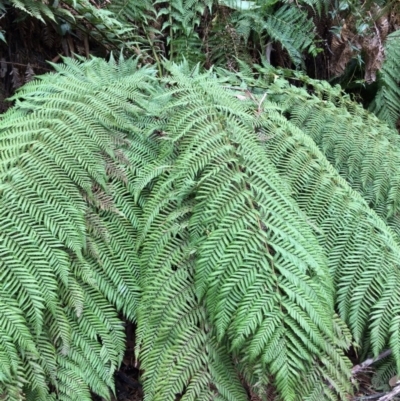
66 243
386 104
35 9
352 235
363 149
291 27
174 341
253 258
363 252
181 18
288 25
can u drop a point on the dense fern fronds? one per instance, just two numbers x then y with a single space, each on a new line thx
175 342
363 253
288 25
365 153
67 262
366 276
104 25
184 15
258 270
386 104
364 150
202 209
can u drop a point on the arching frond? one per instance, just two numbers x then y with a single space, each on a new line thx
362 251
255 264
67 262
363 149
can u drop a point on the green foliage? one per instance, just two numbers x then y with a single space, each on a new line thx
92 19
365 152
288 25
256 266
363 149
386 104
67 263
199 206
291 27
182 18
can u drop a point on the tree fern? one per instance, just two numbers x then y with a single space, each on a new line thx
201 208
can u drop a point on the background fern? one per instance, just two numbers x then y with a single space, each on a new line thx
106 25
386 104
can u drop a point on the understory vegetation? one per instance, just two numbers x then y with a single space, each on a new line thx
224 175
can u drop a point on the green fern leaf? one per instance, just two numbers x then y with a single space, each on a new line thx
250 263
386 104
66 243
